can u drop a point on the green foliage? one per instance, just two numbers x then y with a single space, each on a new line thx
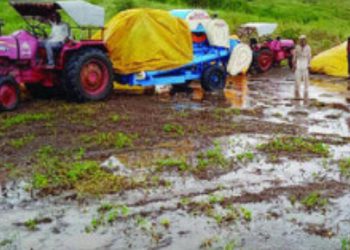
174 128
344 166
25 118
314 200
179 164
31 225
118 140
345 244
213 199
247 214
247 156
122 140
165 223
52 173
295 145
213 156
21 142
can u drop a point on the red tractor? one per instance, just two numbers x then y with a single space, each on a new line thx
270 52
82 68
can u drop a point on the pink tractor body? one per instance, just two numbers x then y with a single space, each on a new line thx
82 71
272 53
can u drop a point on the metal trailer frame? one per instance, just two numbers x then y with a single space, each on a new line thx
204 56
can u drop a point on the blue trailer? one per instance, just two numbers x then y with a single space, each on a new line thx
209 63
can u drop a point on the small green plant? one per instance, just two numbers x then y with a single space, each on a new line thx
31 224
345 244
5 242
213 156
247 214
220 113
165 223
344 166
115 118
174 128
214 199
230 245
40 181
21 142
112 215
179 164
122 140
314 200
247 156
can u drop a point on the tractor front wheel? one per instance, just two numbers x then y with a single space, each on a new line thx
9 94
263 60
88 76
213 78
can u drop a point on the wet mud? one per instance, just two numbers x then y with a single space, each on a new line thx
222 174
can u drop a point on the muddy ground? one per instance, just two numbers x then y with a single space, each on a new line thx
250 168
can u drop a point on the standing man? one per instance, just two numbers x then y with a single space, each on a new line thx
60 33
301 63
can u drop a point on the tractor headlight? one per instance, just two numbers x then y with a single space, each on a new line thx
3 48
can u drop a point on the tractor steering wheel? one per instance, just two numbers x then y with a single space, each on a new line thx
38 31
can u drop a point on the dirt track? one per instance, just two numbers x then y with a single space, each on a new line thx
205 182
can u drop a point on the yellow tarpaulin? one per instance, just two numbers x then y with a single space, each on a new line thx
147 39
331 62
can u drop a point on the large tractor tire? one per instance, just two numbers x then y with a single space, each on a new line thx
88 76
213 78
9 94
263 60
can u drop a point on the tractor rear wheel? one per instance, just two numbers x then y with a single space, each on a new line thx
9 94
88 76
263 60
213 78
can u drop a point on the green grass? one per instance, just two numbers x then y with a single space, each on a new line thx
344 166
174 128
21 142
324 21
295 145
24 119
118 140
179 164
314 200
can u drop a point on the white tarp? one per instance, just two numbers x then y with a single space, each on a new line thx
262 28
240 59
218 33
84 13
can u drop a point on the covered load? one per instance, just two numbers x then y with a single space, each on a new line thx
331 62
147 40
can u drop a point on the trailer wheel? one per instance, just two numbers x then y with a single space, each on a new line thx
88 76
9 94
213 78
263 60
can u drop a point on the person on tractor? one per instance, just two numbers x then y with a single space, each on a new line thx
301 64
276 47
60 33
